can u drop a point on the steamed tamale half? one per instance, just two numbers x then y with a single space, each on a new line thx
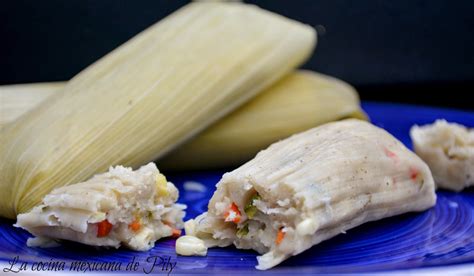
146 97
300 101
297 102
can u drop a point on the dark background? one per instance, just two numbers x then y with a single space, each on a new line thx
418 52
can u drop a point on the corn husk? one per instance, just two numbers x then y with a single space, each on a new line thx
17 99
148 96
298 102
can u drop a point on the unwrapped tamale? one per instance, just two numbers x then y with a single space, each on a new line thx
311 187
119 207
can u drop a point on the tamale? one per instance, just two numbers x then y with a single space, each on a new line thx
311 187
118 208
17 99
448 149
297 102
148 96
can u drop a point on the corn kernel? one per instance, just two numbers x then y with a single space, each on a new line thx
161 186
190 246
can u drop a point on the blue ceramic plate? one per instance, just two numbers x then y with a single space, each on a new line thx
441 236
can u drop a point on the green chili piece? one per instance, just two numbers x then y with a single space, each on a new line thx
243 231
250 209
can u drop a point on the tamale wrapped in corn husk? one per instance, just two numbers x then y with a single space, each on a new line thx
297 102
148 96
17 99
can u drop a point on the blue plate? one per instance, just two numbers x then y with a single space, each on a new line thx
443 235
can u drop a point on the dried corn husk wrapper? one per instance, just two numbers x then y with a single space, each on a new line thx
148 96
297 102
17 99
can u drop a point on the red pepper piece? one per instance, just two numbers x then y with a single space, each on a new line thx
280 236
103 228
233 214
135 225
